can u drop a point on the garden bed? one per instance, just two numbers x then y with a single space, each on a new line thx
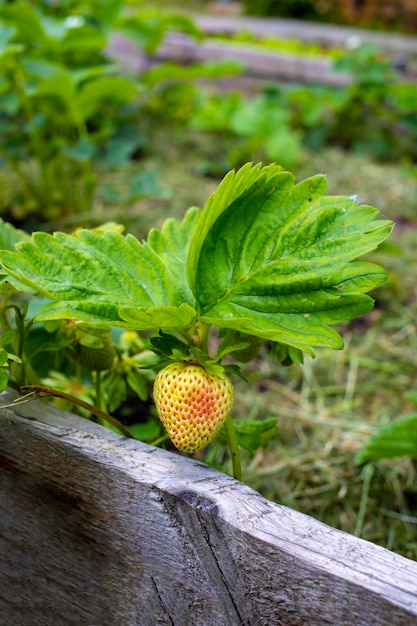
262 63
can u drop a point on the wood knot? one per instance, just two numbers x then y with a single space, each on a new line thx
197 501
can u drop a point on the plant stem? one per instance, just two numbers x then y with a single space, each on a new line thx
161 439
203 336
98 394
43 392
234 448
368 473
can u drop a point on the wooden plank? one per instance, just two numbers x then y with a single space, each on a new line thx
257 63
327 34
96 529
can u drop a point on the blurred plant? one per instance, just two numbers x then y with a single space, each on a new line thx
258 126
89 364
64 107
393 440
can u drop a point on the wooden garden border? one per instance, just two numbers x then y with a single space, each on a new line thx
260 65
100 530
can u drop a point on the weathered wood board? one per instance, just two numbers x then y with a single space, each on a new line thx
100 530
259 64
397 44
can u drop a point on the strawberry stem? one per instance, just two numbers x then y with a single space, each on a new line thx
234 448
203 333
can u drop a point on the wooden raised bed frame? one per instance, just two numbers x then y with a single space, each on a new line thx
97 530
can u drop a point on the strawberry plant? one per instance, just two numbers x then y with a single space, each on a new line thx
266 261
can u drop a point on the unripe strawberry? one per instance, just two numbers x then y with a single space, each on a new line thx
93 359
192 403
244 355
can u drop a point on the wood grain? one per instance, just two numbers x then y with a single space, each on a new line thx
99 530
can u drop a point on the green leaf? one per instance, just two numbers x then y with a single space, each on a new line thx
115 388
172 243
232 186
83 151
116 90
145 432
164 344
10 236
158 317
85 39
59 85
4 378
26 20
7 337
101 276
4 357
253 434
276 261
397 439
138 383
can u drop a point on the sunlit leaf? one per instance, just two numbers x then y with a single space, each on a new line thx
93 274
172 243
9 237
276 262
4 378
232 186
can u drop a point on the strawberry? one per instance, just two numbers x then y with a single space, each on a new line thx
244 355
93 359
192 403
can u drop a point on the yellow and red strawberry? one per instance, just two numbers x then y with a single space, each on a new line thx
192 403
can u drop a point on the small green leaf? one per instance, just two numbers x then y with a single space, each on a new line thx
397 439
4 379
115 388
116 90
7 337
59 85
145 432
83 151
164 344
138 383
10 236
26 20
158 317
4 357
254 434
